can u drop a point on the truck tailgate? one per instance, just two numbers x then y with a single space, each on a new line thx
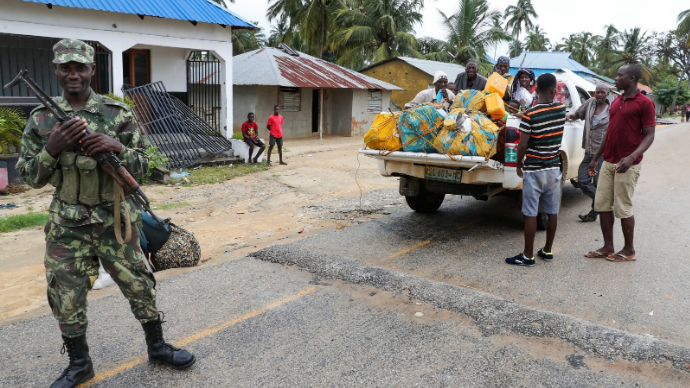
440 160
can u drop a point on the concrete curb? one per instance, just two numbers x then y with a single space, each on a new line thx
491 313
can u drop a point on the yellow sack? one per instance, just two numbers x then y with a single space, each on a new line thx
383 134
480 142
470 100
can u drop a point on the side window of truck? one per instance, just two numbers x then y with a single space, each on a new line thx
584 96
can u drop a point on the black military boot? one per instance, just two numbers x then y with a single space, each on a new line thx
80 368
161 352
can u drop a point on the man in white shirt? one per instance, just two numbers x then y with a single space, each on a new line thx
431 95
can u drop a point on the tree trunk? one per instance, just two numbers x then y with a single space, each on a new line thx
675 95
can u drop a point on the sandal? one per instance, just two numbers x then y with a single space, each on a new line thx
617 257
589 217
597 255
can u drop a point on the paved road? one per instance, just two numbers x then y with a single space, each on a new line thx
466 241
252 323
255 323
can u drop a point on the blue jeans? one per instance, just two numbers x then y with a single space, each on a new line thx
588 184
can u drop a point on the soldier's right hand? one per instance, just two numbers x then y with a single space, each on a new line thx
62 136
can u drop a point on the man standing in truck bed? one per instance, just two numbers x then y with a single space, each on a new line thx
82 226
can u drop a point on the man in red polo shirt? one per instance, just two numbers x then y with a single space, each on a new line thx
631 132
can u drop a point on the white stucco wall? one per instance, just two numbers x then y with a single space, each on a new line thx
169 64
119 32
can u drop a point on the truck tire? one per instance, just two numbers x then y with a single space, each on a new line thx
425 202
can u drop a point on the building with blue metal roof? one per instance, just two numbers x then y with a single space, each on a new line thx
136 42
541 62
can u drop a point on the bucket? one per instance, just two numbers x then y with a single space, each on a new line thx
511 154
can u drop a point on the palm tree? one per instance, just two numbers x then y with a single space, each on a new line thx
472 30
607 45
568 44
584 45
684 23
519 17
247 40
369 31
536 40
313 19
515 48
634 51
435 49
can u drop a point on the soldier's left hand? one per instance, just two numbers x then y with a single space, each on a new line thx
99 142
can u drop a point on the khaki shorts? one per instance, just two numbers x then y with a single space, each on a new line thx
615 190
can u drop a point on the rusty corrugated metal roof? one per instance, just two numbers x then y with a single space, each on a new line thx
273 66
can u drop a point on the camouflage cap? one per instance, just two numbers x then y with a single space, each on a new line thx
72 50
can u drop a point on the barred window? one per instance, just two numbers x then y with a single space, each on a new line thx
374 101
289 100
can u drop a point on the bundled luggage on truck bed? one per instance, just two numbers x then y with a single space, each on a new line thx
469 149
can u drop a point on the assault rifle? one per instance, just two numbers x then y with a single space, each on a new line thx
108 161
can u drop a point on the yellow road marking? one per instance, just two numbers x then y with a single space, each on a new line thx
421 244
196 336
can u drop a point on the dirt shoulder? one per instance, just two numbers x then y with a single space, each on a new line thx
229 219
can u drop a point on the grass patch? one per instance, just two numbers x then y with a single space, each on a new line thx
215 174
173 205
22 221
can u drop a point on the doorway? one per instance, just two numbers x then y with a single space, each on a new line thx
315 111
136 67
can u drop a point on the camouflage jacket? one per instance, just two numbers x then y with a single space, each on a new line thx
84 192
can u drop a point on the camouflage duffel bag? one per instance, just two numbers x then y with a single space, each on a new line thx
181 250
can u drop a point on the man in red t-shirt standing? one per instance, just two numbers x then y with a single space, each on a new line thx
632 124
250 134
275 127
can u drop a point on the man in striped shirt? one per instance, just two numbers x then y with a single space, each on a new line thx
539 165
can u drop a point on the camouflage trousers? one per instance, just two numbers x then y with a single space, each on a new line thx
71 262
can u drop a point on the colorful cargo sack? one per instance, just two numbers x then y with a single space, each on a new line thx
470 100
419 127
481 141
384 134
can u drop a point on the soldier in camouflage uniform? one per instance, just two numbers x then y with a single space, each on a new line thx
82 214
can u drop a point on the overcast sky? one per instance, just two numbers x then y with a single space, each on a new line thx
558 18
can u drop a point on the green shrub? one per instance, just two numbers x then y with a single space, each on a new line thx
237 135
156 158
11 128
126 100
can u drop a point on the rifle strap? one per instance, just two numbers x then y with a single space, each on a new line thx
120 196
101 118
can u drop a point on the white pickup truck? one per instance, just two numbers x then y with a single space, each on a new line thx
425 179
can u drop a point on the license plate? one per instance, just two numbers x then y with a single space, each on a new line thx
443 174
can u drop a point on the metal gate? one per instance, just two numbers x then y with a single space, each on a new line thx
19 52
204 80
175 129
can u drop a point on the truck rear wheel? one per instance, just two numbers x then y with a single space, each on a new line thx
425 202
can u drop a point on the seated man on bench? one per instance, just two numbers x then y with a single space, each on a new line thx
249 133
